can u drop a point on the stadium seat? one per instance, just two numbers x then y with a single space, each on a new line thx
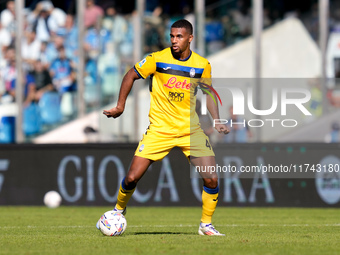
7 129
49 106
31 120
111 81
214 32
67 104
91 93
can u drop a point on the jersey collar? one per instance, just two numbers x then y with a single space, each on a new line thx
182 59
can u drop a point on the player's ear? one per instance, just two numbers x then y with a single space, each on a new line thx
191 37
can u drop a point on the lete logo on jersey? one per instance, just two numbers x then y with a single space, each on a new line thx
174 83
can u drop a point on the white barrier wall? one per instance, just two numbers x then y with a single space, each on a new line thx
288 51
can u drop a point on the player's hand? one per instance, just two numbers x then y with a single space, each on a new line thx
115 112
222 129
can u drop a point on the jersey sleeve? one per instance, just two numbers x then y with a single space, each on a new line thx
207 71
146 66
206 75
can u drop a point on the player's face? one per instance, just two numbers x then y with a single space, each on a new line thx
180 40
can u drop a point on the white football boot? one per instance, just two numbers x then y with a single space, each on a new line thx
115 210
208 230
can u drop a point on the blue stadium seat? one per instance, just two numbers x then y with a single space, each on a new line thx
111 81
7 129
91 93
49 106
31 120
214 32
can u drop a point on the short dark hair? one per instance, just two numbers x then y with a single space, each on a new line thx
183 23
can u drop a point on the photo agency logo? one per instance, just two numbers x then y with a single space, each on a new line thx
281 100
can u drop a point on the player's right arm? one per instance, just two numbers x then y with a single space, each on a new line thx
125 89
141 70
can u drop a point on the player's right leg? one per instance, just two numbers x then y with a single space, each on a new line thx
137 169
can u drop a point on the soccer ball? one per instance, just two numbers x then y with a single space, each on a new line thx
52 199
112 223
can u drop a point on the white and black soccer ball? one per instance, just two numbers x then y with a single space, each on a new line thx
52 199
112 223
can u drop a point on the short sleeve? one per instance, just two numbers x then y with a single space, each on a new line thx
146 66
207 71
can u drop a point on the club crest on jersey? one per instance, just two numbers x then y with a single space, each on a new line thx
192 72
142 62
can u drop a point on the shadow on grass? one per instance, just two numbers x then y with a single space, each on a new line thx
162 233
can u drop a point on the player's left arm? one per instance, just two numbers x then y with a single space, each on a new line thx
212 104
214 112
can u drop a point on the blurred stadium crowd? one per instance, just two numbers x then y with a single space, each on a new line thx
50 46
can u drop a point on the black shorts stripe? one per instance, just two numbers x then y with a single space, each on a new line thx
178 73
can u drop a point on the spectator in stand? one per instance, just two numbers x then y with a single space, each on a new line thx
8 15
126 46
119 26
58 16
3 73
29 89
242 20
43 81
153 39
92 42
93 14
118 31
43 57
61 71
8 74
70 34
53 46
107 21
30 48
5 41
39 21
46 20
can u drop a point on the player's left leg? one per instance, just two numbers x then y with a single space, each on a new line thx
209 193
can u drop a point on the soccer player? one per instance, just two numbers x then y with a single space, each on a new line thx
172 121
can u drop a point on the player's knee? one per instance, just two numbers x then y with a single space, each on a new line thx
131 180
211 183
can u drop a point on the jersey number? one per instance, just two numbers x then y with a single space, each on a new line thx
207 144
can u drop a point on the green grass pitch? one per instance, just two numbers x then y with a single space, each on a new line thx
170 230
